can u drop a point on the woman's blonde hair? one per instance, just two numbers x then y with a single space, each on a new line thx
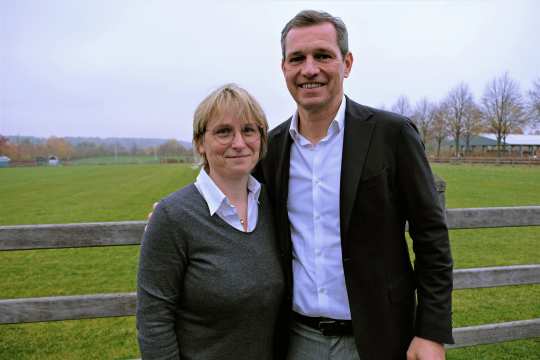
229 98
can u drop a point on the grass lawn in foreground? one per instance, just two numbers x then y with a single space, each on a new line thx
126 192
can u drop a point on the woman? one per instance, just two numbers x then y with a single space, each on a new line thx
209 281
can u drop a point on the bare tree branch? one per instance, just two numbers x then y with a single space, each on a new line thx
422 116
402 106
534 103
503 107
457 103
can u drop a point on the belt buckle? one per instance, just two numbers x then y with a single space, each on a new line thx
328 327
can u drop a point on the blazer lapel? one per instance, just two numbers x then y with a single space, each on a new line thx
281 154
283 161
356 142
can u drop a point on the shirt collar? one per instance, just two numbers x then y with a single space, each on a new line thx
337 124
214 197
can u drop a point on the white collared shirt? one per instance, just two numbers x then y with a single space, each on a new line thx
218 203
313 208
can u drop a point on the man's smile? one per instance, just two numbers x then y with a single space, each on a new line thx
311 85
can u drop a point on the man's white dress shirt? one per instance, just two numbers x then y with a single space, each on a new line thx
313 208
218 203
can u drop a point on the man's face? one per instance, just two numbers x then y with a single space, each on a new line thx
314 68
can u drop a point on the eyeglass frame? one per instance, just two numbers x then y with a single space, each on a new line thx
257 135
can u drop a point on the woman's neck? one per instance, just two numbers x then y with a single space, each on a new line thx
235 189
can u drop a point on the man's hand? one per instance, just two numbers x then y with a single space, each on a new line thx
150 214
424 349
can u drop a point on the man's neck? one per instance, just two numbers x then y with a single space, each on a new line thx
314 124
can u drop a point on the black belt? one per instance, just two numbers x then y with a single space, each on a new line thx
328 327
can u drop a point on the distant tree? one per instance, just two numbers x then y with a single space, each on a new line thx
422 116
472 124
87 149
440 125
402 106
534 102
4 145
60 148
503 107
171 148
134 149
458 101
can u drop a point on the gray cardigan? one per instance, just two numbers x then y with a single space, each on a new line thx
206 290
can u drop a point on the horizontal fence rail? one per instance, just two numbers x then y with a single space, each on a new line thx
27 237
57 236
494 333
55 308
123 304
493 217
111 305
496 276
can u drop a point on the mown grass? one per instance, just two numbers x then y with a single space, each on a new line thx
114 193
488 185
48 195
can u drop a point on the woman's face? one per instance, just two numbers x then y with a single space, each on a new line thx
231 146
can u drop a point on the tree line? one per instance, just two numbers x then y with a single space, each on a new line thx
503 109
28 150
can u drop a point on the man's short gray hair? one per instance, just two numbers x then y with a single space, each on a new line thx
313 17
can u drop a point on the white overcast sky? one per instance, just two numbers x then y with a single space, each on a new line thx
128 68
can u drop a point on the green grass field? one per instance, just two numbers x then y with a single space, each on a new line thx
126 192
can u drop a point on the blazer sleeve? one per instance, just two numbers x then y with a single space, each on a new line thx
427 228
162 264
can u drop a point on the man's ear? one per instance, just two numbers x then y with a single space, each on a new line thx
348 63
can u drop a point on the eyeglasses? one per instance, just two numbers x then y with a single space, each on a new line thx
224 134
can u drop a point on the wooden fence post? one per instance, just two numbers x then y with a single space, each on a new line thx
440 185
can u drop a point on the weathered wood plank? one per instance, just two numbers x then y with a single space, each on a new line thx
494 333
24 237
493 217
109 305
496 276
13 311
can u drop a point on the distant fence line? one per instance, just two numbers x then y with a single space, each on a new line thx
26 237
486 161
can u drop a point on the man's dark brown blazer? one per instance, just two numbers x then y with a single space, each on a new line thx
385 181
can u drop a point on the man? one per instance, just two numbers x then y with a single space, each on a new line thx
344 179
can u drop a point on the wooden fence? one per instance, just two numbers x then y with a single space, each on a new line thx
26 237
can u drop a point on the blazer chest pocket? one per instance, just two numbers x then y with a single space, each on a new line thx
373 180
374 193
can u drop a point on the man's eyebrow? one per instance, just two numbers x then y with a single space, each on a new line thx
296 53
323 50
